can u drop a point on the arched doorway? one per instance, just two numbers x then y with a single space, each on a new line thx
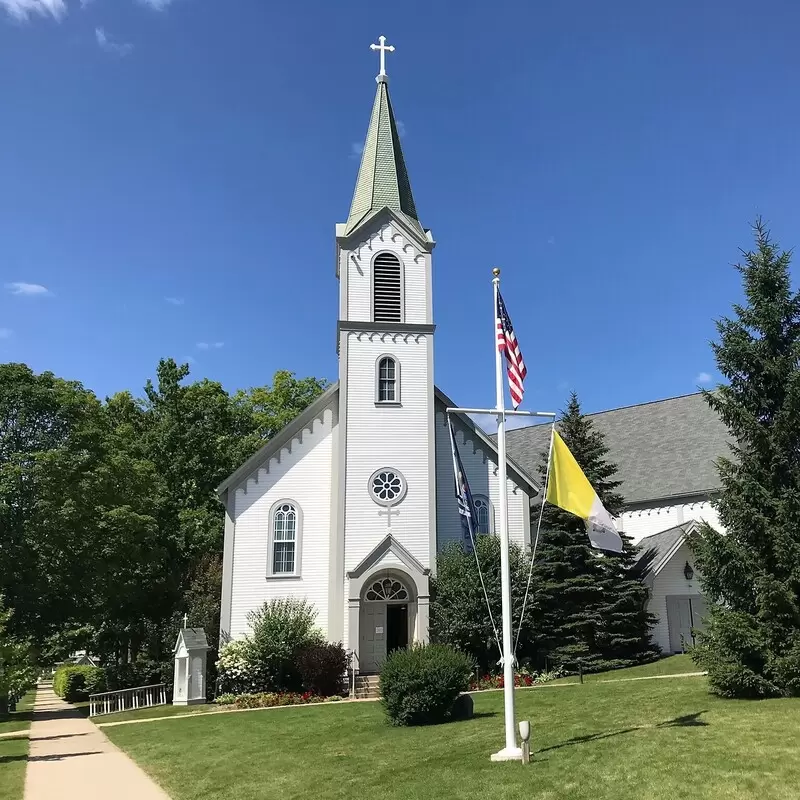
388 611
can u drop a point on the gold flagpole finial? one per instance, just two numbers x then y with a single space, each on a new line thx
496 271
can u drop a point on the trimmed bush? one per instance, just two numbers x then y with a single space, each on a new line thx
419 685
75 683
322 668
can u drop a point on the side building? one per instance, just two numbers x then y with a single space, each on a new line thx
665 452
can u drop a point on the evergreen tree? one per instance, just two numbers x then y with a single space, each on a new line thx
751 647
591 607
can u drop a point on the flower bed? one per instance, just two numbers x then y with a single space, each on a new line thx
520 679
271 699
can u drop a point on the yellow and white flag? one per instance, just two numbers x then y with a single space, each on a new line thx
569 488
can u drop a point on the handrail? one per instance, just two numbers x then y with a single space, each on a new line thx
353 655
154 694
132 689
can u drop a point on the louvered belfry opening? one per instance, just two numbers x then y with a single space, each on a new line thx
387 299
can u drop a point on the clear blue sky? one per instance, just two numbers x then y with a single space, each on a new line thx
608 156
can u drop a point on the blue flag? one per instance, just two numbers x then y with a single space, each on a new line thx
466 506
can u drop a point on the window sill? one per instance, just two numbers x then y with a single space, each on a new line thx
389 403
284 576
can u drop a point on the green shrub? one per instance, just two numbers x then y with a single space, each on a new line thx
236 668
227 699
419 685
75 683
139 673
279 630
322 668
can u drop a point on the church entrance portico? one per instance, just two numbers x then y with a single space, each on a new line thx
388 604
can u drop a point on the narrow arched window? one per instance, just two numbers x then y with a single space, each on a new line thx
388 380
284 539
387 288
483 514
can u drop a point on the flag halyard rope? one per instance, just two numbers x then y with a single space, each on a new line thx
536 538
483 584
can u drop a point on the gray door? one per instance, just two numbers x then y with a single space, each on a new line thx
684 613
372 636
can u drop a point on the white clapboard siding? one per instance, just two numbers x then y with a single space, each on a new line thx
356 306
303 475
481 468
671 580
647 521
393 436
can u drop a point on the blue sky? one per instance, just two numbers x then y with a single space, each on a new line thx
171 173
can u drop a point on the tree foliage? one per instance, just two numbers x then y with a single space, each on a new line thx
110 528
751 647
589 606
459 612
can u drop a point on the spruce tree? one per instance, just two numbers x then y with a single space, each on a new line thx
590 606
751 573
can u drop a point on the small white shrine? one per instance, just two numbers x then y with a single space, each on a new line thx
191 653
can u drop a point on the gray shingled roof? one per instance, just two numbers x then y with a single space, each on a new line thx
663 449
194 638
382 177
662 544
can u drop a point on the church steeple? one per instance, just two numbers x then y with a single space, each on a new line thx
382 177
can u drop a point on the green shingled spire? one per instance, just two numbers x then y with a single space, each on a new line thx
382 178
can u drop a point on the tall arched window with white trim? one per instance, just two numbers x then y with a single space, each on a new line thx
285 529
483 512
387 389
387 288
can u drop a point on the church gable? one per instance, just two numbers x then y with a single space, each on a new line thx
279 504
479 456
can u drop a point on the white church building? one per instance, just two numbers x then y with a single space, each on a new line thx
348 505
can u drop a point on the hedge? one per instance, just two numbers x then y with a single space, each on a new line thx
75 683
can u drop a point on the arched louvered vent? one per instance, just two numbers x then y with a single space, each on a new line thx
387 298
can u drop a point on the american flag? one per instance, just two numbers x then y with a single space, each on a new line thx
507 343
466 505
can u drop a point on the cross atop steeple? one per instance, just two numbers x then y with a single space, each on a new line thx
384 49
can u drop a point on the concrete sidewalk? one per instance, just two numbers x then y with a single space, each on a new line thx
70 758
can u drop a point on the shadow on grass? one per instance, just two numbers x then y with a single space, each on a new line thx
590 737
685 721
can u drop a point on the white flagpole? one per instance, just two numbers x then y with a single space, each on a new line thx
510 752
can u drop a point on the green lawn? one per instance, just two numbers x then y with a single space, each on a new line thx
672 665
660 740
14 752
20 720
157 711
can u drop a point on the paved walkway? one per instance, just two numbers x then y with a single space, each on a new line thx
70 758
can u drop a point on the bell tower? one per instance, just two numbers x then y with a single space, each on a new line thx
386 458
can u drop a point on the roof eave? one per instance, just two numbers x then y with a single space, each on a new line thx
283 436
346 236
517 473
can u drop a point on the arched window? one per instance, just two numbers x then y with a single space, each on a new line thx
387 288
284 555
388 381
483 513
